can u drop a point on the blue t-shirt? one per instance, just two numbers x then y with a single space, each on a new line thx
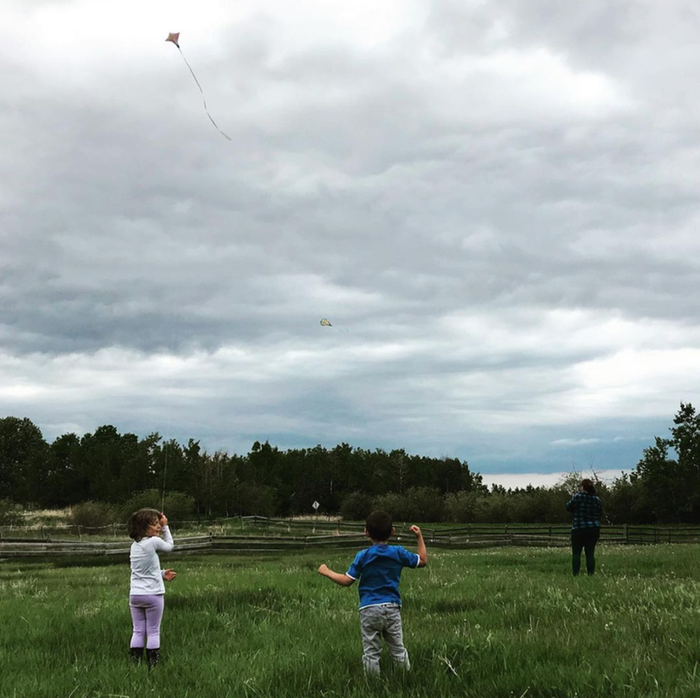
379 570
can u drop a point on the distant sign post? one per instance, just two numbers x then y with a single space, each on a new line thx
315 505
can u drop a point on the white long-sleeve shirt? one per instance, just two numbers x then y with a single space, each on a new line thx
146 575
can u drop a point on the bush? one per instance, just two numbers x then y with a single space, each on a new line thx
10 513
419 504
396 505
425 504
459 507
92 515
357 506
256 500
492 508
177 506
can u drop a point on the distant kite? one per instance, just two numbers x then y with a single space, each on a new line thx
327 323
174 37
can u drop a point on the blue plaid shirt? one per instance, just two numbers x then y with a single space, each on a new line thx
587 509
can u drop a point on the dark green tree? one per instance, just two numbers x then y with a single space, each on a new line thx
23 460
670 486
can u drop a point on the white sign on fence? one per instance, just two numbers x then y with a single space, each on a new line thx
316 505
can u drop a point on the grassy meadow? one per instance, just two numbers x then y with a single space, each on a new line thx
500 623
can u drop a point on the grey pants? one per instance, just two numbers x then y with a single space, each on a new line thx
377 622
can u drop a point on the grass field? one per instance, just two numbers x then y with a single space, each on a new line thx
502 623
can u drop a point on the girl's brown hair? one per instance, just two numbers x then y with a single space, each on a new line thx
139 522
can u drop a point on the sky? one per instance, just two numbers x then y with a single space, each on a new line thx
495 204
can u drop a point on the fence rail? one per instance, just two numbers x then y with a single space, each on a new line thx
341 535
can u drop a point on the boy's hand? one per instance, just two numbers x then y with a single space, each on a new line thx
163 519
422 552
323 569
169 575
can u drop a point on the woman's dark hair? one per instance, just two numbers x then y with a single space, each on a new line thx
379 525
588 486
139 522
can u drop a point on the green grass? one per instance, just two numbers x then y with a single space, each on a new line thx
502 623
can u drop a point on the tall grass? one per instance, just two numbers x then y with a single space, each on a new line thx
504 623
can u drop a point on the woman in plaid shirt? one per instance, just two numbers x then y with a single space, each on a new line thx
585 531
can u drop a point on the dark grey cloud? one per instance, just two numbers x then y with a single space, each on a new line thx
495 200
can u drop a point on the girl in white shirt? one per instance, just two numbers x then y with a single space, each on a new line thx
147 589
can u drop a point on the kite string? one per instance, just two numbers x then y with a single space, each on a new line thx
206 109
165 473
166 450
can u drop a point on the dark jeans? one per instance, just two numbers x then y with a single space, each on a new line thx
584 539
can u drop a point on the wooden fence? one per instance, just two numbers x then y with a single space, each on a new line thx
280 535
41 547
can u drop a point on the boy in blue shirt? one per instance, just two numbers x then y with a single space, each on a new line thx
379 570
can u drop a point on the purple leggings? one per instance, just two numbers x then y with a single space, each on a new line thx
146 614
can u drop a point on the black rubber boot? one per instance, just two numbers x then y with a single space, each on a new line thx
152 657
136 654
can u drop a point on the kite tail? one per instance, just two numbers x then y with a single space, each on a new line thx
204 101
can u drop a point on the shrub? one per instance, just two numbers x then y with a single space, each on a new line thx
92 515
425 504
492 508
10 513
394 504
356 506
177 506
459 507
255 500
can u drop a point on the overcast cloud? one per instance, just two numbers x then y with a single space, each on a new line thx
495 204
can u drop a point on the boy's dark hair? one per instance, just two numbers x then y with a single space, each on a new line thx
588 486
139 522
379 525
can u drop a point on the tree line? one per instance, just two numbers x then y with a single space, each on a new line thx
116 469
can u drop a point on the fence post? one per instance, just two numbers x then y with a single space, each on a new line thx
80 532
625 534
669 535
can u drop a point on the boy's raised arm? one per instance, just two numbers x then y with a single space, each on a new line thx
422 551
341 579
